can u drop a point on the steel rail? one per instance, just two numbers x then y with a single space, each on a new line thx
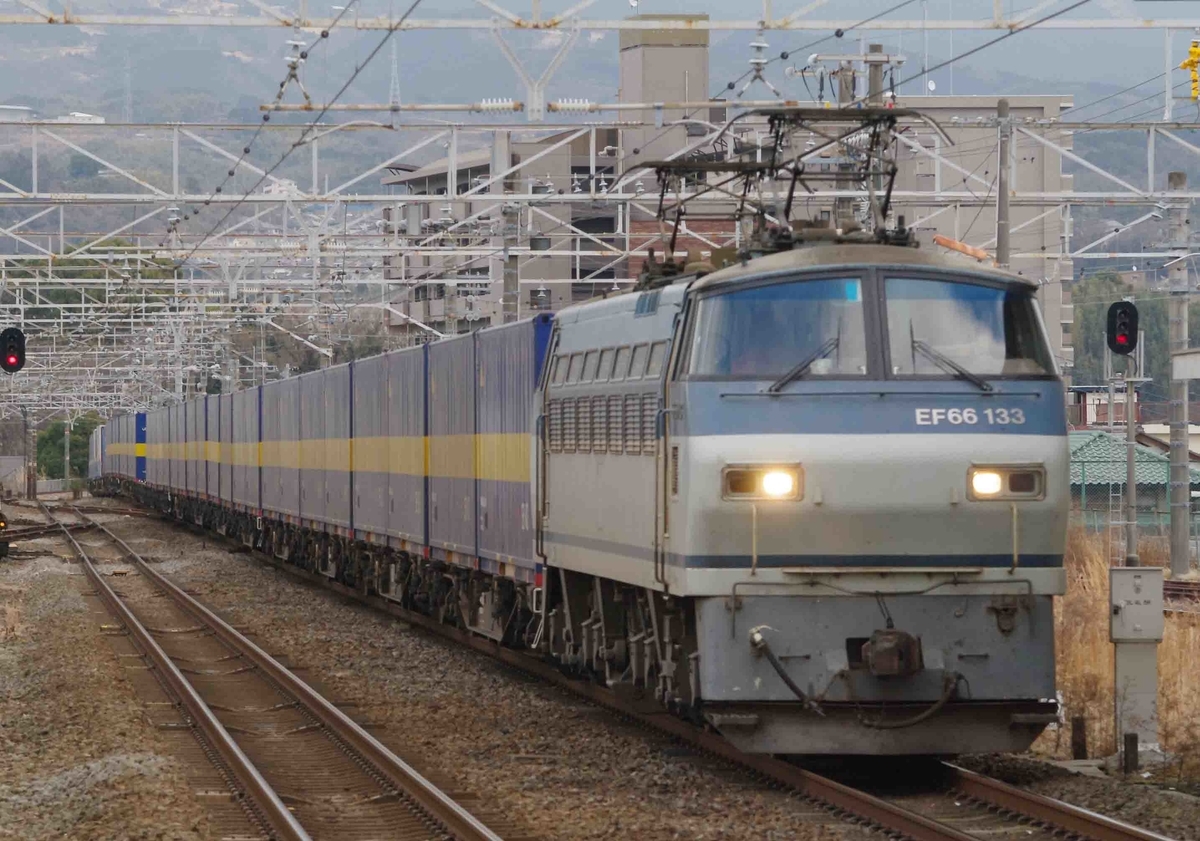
432 800
839 798
278 817
1065 816
1187 590
33 532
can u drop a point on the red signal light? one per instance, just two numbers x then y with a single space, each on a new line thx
1122 339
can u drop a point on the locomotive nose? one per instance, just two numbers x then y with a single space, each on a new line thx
869 501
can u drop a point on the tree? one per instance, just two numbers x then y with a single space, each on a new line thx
81 166
50 446
1092 298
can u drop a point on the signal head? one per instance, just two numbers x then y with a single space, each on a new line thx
12 350
1122 327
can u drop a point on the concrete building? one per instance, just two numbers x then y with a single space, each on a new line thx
16 113
514 264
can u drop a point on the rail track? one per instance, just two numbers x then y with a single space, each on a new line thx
299 768
1181 591
966 806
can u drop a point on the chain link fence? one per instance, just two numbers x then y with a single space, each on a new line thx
1098 503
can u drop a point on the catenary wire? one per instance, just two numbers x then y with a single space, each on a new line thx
1015 31
231 172
309 127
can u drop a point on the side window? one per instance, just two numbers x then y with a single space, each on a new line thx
560 371
639 362
606 364
658 355
576 369
589 365
622 368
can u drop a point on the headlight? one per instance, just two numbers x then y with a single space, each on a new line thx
778 484
1011 482
762 482
986 482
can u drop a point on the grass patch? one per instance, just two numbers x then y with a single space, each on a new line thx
1085 661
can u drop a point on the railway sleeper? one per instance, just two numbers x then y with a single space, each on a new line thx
640 643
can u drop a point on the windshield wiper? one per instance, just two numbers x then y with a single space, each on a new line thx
947 364
801 369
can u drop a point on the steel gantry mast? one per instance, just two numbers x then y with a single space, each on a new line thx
135 294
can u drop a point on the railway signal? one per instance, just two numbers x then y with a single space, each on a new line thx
12 350
1122 327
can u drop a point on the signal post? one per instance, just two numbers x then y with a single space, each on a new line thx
1135 592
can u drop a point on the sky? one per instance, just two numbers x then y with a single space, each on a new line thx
452 65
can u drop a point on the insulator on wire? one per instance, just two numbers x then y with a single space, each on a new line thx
575 106
497 105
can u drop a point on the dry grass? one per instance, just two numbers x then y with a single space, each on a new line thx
1085 661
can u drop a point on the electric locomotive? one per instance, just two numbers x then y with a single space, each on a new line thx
817 500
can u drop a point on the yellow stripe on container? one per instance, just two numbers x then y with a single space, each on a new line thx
499 457
502 457
452 456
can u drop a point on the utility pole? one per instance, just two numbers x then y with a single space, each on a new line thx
843 209
1110 378
1131 524
874 76
502 266
1180 488
1002 211
29 492
1135 592
67 452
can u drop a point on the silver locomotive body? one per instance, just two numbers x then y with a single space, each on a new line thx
825 511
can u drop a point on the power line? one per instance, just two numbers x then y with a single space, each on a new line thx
293 71
1118 93
783 56
984 46
1136 102
308 129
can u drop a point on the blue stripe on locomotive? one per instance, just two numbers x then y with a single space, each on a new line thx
829 407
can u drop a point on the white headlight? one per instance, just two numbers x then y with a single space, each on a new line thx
986 482
778 483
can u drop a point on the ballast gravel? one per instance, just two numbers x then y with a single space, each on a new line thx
77 758
555 765
1171 813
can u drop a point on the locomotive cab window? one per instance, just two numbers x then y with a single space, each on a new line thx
767 331
937 327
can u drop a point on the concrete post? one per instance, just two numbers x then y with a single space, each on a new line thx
843 209
875 78
1178 336
1002 211
66 452
499 272
1131 524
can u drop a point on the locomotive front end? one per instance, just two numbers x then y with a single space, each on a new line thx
868 498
